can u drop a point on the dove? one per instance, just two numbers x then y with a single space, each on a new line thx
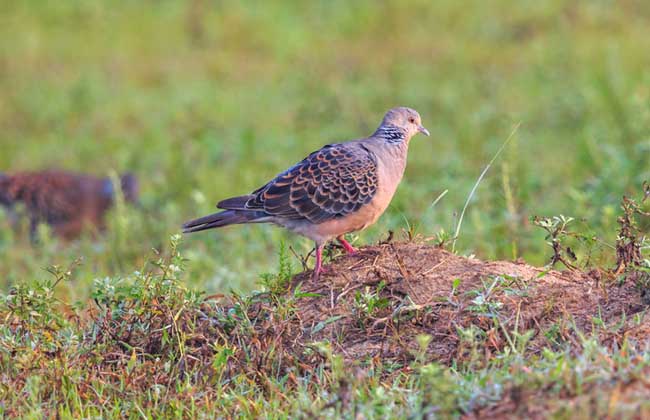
338 189
67 201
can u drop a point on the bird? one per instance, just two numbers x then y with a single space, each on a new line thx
67 201
338 189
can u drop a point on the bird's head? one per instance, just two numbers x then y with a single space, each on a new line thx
400 124
130 188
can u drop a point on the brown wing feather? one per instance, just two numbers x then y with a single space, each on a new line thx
331 182
50 196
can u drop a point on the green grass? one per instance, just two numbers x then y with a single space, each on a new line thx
149 347
208 99
205 108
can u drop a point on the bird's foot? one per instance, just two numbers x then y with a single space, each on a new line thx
349 249
318 271
318 268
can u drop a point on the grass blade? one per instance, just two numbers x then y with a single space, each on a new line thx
478 181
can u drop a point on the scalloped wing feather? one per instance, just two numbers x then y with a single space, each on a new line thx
52 196
330 183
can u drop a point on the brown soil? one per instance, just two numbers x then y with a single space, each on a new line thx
469 310
418 284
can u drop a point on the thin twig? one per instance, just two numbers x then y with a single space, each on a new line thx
434 267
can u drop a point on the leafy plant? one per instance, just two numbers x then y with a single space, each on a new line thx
368 303
278 283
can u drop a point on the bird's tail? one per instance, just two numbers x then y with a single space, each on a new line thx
224 218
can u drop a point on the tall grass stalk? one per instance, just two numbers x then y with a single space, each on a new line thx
478 181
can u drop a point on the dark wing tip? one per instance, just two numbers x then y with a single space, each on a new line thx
187 229
234 203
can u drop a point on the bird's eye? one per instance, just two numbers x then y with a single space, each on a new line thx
411 120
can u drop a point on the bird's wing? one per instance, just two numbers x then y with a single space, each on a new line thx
330 183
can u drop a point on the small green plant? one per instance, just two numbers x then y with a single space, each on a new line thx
484 301
471 345
631 262
277 283
630 242
367 303
129 307
557 231
553 334
486 304
442 238
33 314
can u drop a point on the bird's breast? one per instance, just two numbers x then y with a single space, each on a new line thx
390 169
389 174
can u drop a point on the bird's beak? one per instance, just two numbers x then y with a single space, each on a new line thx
423 130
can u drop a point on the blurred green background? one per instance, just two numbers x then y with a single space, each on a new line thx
209 99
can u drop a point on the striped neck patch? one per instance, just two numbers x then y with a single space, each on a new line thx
391 133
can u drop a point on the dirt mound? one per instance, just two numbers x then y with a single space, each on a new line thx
381 309
377 302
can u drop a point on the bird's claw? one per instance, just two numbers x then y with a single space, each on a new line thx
317 272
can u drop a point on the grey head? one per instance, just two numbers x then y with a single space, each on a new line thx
129 185
130 188
399 125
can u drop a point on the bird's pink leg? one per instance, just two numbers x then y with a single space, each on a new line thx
348 248
318 268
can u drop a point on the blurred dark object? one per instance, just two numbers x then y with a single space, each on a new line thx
68 202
